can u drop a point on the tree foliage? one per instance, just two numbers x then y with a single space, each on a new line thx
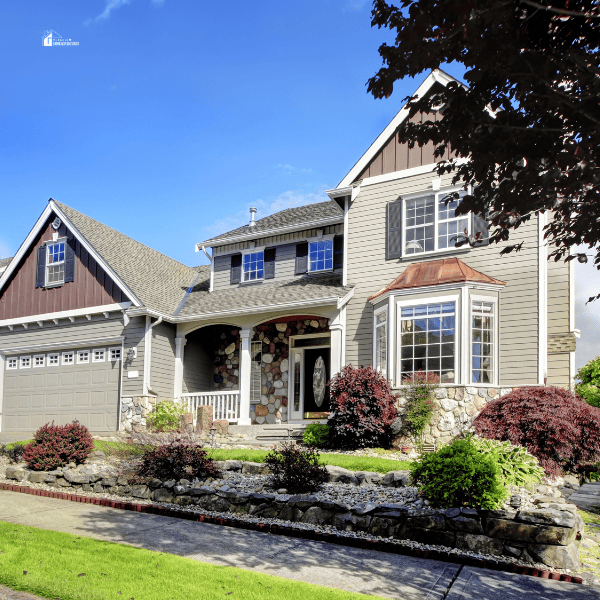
589 386
529 120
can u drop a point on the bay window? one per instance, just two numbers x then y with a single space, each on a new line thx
482 348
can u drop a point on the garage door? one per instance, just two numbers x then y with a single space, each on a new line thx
80 384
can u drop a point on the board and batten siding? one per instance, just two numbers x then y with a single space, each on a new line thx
162 359
369 271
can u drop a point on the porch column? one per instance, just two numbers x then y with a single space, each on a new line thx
337 341
245 365
180 342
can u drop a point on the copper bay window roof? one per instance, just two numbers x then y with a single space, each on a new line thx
437 272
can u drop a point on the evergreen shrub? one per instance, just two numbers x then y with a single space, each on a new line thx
56 446
460 475
420 406
166 416
557 427
316 434
363 409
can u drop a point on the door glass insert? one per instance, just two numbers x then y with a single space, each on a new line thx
319 381
297 374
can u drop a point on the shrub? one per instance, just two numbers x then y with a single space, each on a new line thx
460 475
419 403
363 409
316 434
14 452
518 467
589 388
166 416
175 460
557 427
55 446
296 469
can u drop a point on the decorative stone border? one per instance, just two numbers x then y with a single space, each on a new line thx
380 546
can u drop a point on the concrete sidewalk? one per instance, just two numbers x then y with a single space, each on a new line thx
351 569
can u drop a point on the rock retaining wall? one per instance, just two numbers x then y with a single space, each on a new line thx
547 534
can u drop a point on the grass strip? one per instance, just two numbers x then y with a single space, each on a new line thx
61 565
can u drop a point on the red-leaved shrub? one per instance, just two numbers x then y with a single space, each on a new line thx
56 446
556 426
296 469
363 409
176 460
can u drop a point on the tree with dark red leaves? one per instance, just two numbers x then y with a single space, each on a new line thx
363 409
556 426
529 120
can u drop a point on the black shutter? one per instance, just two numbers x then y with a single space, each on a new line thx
70 258
338 252
40 277
394 230
236 268
479 223
302 257
269 260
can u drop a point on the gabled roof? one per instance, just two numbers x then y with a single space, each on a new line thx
436 76
437 272
4 262
290 219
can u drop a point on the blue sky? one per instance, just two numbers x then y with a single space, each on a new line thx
171 118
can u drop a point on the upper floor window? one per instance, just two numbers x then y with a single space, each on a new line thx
55 263
320 255
253 266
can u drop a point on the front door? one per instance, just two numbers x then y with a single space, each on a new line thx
316 375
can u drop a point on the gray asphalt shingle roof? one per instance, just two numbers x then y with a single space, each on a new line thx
157 280
315 287
285 218
4 262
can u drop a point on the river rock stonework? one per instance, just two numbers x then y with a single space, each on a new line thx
134 411
455 409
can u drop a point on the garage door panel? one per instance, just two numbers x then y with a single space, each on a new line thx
82 399
23 402
24 382
66 400
38 381
100 377
52 380
98 398
67 379
10 403
51 400
82 378
10 384
38 401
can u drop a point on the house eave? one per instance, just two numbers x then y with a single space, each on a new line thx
491 287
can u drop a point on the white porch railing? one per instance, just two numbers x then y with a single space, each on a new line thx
226 404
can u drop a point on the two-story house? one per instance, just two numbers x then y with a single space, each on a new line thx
96 326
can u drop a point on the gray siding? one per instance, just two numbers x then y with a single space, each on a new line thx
369 271
559 370
134 338
162 371
197 365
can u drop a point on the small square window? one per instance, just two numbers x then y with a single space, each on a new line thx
39 360
52 360
12 364
68 358
320 255
25 362
115 354
99 355
83 356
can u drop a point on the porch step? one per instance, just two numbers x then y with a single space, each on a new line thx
269 433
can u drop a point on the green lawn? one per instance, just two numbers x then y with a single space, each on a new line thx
69 567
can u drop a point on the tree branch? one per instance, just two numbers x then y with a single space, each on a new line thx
561 11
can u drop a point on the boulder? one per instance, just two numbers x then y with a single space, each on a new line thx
466 525
214 502
429 536
16 472
253 468
396 479
426 521
37 477
264 510
303 501
561 518
229 465
481 544
317 516
559 557
75 478
526 532
201 491
162 495
341 475
364 508
290 513
350 522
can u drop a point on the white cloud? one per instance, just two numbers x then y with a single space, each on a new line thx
113 5
587 316
354 5
5 251
291 169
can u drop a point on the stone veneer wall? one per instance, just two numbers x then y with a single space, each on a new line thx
456 408
134 411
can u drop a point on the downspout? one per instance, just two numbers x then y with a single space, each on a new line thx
212 268
148 355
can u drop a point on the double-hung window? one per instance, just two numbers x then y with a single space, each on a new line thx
482 349
320 255
431 224
428 340
55 263
381 332
253 265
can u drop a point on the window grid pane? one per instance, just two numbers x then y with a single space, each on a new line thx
482 342
321 255
420 225
381 342
428 341
253 266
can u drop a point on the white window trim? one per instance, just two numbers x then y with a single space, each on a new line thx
457 330
21 359
49 364
8 361
36 356
253 251
65 354
80 353
49 243
495 350
323 238
99 360
441 193
375 327
111 350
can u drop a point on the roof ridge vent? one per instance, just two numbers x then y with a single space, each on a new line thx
253 211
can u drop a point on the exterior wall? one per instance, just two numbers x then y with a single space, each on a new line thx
369 271
92 286
197 365
285 257
162 369
134 338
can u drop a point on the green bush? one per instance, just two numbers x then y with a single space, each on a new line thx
460 475
589 388
420 407
316 434
166 416
518 467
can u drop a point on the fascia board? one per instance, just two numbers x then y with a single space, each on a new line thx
252 235
435 76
